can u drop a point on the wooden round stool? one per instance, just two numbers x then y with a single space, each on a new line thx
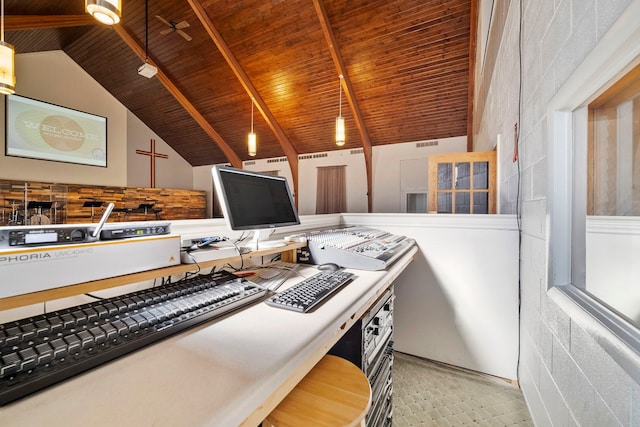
334 393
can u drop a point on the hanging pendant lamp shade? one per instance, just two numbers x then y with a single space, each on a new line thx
340 139
7 69
106 11
340 134
252 142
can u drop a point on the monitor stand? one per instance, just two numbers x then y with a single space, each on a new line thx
257 241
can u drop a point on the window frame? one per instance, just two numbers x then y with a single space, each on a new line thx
567 125
435 160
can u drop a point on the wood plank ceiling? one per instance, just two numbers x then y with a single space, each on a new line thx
405 63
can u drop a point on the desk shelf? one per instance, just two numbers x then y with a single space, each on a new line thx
288 254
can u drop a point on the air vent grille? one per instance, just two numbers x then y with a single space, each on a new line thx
312 156
278 160
427 144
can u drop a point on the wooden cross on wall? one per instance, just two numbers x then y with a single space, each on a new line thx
152 157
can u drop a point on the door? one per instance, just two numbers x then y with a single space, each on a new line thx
462 183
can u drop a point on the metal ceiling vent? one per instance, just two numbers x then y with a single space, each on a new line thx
278 160
313 156
427 144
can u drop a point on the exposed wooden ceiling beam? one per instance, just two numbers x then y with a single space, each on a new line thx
348 90
243 78
179 96
32 22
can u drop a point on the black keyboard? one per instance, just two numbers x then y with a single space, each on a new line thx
40 351
312 291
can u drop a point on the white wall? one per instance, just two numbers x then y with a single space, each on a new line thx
55 78
612 267
203 181
387 160
356 177
307 177
172 172
457 302
566 373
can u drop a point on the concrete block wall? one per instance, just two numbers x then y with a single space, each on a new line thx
567 376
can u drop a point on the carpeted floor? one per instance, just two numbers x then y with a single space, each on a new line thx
426 393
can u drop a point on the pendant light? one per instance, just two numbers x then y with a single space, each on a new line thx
7 70
106 11
340 138
252 143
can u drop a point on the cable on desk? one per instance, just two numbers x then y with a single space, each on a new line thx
189 274
242 238
235 245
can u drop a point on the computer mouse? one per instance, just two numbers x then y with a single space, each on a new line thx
329 266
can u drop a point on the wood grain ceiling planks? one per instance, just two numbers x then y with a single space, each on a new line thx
407 63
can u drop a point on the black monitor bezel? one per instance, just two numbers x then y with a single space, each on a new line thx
218 172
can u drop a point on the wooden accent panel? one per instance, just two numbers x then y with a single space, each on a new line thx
171 204
622 90
26 22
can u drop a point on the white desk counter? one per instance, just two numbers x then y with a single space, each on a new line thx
231 372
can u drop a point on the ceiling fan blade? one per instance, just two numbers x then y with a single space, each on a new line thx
182 24
164 20
186 36
167 31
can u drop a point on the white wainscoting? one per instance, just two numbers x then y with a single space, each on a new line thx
457 302
613 262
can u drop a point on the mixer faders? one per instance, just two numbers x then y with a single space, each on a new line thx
358 247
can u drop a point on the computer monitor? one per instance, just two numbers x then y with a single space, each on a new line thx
254 201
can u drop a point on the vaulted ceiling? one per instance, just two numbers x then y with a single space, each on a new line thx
405 65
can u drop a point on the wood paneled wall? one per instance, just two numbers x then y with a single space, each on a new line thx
68 200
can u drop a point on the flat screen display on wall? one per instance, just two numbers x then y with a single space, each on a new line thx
40 130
